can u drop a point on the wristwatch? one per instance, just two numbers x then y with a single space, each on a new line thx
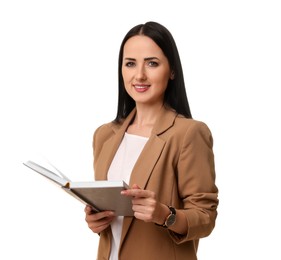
171 219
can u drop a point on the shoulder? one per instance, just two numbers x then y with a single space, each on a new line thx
106 130
193 131
191 125
187 131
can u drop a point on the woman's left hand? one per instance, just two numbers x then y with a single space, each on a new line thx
145 205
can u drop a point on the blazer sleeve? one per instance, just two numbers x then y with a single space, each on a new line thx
196 182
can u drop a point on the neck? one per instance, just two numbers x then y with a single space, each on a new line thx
146 116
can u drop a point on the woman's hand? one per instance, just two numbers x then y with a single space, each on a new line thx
98 222
145 205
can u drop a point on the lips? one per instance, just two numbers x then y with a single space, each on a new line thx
141 87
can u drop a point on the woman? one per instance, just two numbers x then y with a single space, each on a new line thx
155 146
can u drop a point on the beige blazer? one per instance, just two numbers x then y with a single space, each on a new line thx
177 163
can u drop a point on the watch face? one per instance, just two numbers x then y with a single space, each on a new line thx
171 220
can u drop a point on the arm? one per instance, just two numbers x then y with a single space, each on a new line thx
148 209
196 181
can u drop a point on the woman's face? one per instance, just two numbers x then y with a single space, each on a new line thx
145 70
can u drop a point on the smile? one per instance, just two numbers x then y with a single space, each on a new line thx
141 88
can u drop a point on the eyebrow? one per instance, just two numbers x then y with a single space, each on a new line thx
146 59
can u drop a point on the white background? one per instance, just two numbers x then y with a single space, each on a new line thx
58 82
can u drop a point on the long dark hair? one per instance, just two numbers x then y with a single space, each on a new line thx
175 95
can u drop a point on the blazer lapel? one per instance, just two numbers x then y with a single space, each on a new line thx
152 150
146 161
149 157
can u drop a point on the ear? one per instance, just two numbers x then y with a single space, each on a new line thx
172 75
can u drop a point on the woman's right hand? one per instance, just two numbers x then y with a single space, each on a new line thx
98 222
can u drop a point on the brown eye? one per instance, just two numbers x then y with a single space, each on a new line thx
152 64
130 64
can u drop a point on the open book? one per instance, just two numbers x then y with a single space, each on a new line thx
100 195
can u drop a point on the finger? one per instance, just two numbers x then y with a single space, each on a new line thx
136 193
93 216
88 209
135 186
103 215
98 226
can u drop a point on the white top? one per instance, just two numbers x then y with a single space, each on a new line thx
120 169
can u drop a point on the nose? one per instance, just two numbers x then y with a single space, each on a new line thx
140 73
